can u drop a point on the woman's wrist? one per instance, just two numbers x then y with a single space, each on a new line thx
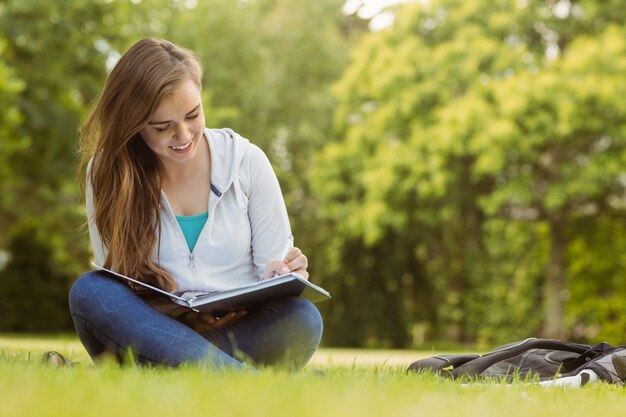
184 318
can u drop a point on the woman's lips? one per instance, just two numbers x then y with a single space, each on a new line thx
182 148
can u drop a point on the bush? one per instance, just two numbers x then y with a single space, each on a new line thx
33 290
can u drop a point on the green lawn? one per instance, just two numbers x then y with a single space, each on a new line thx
356 383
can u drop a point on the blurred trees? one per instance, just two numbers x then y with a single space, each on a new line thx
55 71
10 119
477 137
34 284
463 181
268 67
265 75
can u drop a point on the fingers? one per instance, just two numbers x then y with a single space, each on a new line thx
229 318
274 266
207 318
292 254
303 273
295 261
205 322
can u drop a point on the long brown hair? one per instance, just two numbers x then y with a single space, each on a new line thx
126 176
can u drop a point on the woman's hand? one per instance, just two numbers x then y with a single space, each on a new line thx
295 261
205 322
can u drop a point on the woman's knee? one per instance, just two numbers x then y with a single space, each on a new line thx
305 316
304 332
312 316
90 290
81 289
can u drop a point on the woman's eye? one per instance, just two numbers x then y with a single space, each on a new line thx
160 129
193 116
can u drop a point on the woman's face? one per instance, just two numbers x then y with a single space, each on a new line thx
176 127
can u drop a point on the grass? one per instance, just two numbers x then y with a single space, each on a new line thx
356 383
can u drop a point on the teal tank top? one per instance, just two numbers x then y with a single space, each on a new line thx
191 227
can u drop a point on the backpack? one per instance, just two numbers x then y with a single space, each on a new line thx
545 359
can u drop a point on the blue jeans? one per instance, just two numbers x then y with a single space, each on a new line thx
110 317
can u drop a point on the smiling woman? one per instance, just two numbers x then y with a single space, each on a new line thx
173 128
186 208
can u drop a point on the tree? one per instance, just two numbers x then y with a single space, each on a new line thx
59 52
465 121
569 138
10 119
597 261
34 288
268 68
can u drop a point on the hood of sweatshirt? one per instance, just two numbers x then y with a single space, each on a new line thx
227 151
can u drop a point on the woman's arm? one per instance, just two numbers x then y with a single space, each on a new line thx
269 221
99 250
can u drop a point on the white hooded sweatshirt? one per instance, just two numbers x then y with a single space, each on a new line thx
247 221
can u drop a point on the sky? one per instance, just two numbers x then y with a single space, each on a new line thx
373 9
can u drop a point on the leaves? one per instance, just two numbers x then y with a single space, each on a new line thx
264 75
424 185
465 115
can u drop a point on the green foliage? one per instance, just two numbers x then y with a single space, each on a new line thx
508 306
57 49
566 137
268 77
265 76
470 156
46 41
10 119
33 286
598 289
477 133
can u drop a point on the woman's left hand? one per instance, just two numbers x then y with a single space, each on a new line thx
205 322
295 261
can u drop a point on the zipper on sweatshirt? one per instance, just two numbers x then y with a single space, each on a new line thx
194 271
195 276
196 280
191 259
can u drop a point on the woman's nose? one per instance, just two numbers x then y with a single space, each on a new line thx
182 133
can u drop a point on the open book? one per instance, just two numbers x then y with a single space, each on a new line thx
248 297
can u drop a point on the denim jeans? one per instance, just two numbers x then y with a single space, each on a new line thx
110 317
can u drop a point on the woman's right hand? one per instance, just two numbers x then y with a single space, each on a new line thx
295 261
205 322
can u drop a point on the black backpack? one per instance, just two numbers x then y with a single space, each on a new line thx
532 358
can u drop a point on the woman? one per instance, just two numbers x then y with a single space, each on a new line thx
184 208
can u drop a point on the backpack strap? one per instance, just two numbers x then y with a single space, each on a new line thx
608 362
439 362
595 351
476 367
